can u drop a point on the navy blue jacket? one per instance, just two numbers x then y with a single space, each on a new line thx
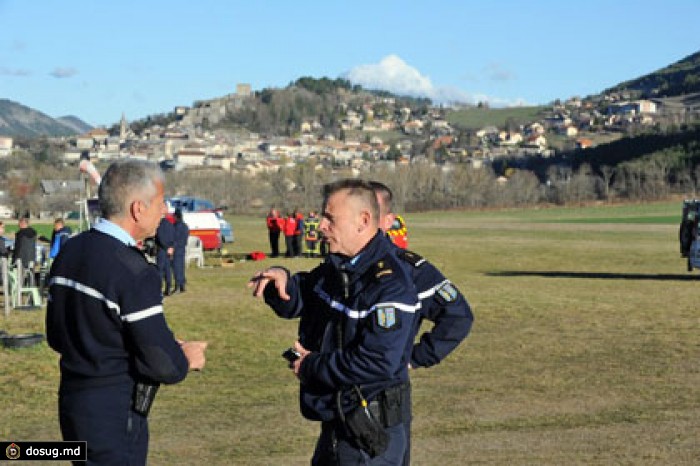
165 235
371 302
182 232
442 304
105 316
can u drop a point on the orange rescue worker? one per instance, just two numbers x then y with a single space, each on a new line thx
274 226
289 230
399 233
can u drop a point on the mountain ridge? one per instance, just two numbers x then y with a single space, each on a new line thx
17 119
678 78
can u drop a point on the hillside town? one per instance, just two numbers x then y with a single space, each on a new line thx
186 143
379 132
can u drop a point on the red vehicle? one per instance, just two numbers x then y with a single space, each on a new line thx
204 225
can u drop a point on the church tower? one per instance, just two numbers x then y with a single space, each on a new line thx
123 128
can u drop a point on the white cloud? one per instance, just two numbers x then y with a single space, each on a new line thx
395 75
61 72
392 74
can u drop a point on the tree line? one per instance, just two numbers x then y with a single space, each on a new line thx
417 187
648 167
423 186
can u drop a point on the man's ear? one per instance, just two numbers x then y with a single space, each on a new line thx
365 219
135 209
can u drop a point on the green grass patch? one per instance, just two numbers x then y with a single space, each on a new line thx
477 118
584 350
663 220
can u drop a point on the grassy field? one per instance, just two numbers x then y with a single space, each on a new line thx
585 350
477 118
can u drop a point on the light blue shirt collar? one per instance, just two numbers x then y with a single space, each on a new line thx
114 230
354 260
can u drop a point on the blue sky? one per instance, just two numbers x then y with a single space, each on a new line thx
96 58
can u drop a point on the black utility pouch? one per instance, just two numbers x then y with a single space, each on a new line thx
144 394
366 431
390 403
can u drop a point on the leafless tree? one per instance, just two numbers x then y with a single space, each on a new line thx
607 172
524 188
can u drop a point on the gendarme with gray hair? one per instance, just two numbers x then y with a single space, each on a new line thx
124 179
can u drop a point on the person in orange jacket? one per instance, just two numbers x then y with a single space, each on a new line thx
274 226
290 229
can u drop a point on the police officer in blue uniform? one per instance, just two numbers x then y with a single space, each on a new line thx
105 318
441 303
182 232
165 242
357 310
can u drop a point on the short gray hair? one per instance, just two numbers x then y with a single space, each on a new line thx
387 196
124 180
356 188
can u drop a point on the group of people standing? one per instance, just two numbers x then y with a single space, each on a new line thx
301 235
24 249
359 314
171 245
26 237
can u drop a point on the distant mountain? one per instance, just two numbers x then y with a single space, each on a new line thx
19 120
78 125
681 77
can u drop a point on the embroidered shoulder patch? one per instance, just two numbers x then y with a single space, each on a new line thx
387 317
447 292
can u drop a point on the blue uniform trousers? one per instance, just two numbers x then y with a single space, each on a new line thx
164 267
334 448
103 417
179 269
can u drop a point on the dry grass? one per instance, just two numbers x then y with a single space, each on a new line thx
585 350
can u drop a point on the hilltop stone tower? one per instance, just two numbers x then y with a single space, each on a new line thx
243 90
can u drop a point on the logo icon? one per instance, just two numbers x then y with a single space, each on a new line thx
12 451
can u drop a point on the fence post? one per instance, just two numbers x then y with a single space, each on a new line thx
20 282
5 285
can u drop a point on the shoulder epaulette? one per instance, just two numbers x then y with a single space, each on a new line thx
411 257
382 269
